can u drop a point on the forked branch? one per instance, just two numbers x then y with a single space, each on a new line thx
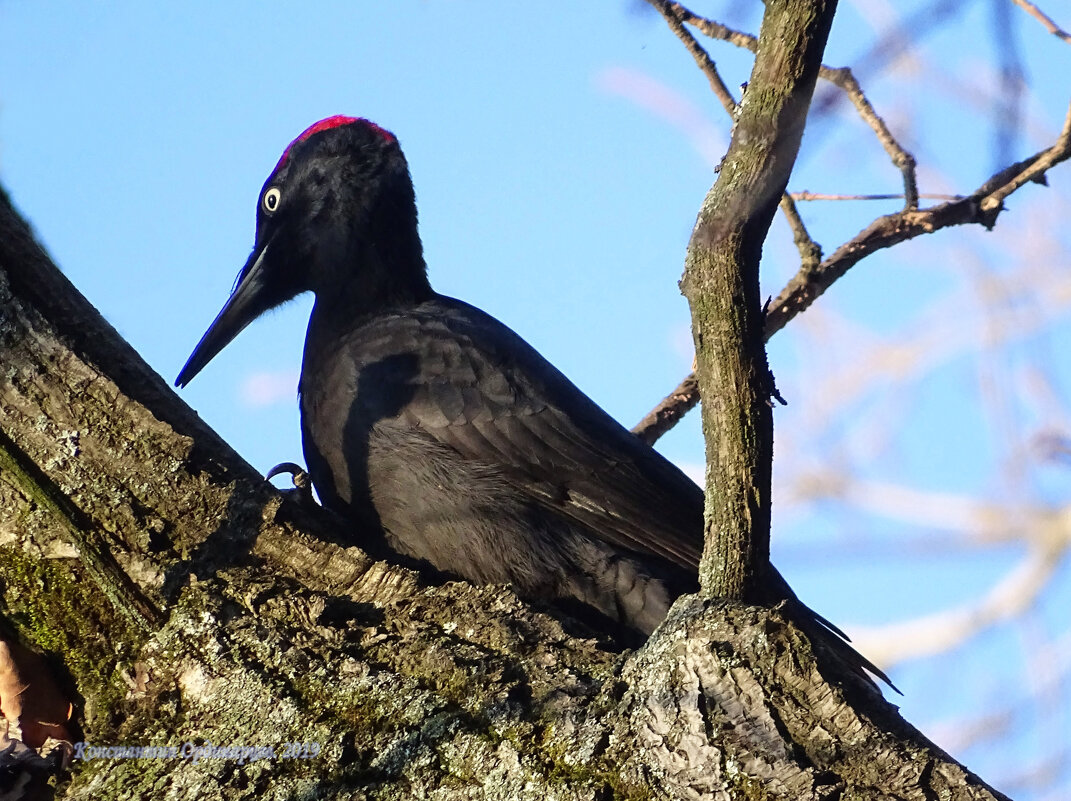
981 207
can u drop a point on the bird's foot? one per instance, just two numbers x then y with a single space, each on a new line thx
302 491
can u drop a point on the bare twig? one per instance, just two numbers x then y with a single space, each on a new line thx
810 251
841 77
904 161
1032 169
667 413
702 58
715 30
823 196
931 634
1044 19
981 207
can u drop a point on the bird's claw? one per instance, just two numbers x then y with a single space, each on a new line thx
302 491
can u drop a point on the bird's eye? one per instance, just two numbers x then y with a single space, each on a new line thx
271 199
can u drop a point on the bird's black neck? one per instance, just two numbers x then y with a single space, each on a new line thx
384 274
376 261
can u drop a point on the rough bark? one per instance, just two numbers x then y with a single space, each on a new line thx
180 598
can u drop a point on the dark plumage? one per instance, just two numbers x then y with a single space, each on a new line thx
434 426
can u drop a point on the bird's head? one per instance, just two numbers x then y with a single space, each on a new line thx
337 216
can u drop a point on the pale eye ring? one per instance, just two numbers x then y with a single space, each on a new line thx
271 200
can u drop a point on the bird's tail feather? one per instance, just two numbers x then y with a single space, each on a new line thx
818 628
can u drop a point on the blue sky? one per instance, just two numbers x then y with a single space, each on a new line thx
560 152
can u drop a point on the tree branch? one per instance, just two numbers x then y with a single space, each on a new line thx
702 58
669 411
810 251
981 207
721 282
840 77
1044 19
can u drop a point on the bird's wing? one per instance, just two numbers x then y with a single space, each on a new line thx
472 384
482 390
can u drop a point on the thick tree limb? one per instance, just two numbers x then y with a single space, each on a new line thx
264 630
